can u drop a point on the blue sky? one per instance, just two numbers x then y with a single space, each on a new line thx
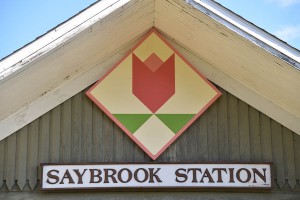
279 17
22 21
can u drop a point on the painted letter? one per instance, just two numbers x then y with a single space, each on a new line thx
67 175
219 170
146 175
154 175
93 175
79 175
262 176
181 175
231 180
52 176
128 178
112 175
194 170
238 175
206 174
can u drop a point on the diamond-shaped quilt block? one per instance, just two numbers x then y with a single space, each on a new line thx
153 94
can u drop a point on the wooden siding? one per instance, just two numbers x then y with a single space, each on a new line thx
127 195
78 131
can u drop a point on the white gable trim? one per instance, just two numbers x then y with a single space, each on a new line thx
69 88
113 24
18 60
249 31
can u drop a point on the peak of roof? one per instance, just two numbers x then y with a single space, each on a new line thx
245 60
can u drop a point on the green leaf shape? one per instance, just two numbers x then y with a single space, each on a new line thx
175 122
132 121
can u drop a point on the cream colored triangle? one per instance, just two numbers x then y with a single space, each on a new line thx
115 91
154 134
192 93
153 44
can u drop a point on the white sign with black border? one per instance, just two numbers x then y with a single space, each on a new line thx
134 175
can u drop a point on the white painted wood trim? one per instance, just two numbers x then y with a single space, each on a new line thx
18 60
249 31
51 99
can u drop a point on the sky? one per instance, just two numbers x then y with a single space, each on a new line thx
22 21
278 17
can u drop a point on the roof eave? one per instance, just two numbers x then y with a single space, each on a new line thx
249 31
17 61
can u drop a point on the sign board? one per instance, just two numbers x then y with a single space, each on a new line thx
94 176
153 94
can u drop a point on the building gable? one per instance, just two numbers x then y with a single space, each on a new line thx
236 55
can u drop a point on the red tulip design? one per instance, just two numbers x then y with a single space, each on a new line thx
153 81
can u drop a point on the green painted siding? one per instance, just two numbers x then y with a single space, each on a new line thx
78 131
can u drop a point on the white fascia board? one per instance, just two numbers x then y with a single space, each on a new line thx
57 96
249 31
16 62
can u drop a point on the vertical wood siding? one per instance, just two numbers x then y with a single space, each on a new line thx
78 131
